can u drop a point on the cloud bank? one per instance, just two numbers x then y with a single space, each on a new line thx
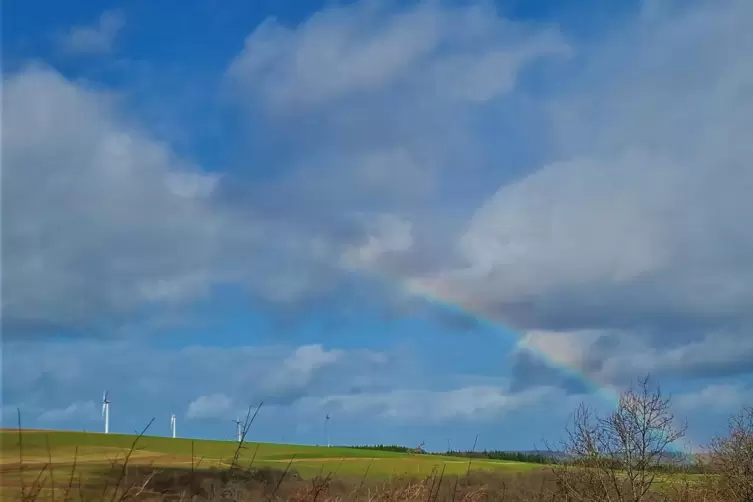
604 219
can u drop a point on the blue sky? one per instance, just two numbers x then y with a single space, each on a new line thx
430 220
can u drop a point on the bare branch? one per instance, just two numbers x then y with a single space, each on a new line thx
616 457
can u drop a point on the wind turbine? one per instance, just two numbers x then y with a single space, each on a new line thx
172 424
326 428
239 429
106 412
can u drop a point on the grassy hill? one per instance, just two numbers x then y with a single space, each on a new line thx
50 459
91 450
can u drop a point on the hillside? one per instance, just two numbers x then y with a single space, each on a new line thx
90 449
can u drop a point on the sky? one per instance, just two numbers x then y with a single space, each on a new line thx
430 220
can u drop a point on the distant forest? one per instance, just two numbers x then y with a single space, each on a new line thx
675 462
385 447
515 456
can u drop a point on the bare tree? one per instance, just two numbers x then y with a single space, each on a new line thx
616 457
732 458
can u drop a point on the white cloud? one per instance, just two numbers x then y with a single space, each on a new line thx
80 410
212 406
560 348
298 369
99 218
405 405
364 48
585 221
96 39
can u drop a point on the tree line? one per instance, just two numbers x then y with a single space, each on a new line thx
384 447
514 456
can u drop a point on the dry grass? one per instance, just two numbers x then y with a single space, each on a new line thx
266 484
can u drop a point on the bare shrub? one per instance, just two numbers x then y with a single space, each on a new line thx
616 457
732 458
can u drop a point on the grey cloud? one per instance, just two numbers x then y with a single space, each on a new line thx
634 221
104 223
391 234
528 371
618 357
592 234
638 224
359 132
98 218
719 354
362 137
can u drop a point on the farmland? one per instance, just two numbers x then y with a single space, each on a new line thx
92 452
55 461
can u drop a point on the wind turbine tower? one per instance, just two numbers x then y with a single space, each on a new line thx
326 429
106 411
172 424
239 429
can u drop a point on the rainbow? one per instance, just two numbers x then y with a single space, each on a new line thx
608 393
435 295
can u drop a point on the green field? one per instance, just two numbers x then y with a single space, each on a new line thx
94 450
